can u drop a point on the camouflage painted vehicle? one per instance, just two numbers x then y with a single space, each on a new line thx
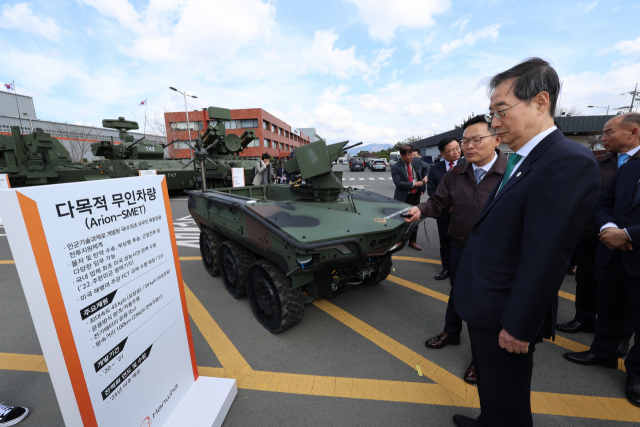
129 157
275 242
223 151
38 158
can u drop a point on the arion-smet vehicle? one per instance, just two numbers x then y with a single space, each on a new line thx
283 245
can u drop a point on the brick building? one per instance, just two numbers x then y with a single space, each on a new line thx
273 135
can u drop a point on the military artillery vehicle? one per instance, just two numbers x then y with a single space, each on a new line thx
38 159
129 157
275 242
222 151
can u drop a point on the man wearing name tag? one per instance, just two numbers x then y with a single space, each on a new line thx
464 191
518 252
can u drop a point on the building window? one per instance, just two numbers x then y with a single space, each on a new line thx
279 131
281 146
178 126
179 145
273 128
254 143
265 125
267 143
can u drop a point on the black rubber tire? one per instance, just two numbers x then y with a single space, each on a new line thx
274 302
384 269
234 261
209 245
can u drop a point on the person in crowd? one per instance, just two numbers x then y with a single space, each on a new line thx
621 146
450 151
617 217
12 415
409 182
517 254
281 174
263 171
417 159
464 191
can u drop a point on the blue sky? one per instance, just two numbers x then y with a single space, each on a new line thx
371 70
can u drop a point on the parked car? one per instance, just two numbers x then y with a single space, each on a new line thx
356 164
378 164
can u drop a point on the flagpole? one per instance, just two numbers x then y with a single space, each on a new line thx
145 117
13 83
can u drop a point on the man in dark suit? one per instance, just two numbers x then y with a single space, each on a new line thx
450 151
516 257
409 181
617 216
621 147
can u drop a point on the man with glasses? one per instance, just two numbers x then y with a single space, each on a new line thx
450 152
518 251
464 191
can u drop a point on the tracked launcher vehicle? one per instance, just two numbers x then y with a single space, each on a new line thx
37 158
284 245
129 157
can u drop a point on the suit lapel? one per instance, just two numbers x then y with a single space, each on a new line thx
633 186
519 173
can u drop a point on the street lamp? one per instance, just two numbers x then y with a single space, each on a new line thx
595 106
186 110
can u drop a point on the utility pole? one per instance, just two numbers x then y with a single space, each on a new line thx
633 98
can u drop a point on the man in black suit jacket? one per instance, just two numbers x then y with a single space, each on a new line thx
617 216
515 260
450 151
408 188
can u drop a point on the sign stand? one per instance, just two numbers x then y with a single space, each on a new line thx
99 266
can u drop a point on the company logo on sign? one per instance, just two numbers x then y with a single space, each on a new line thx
146 422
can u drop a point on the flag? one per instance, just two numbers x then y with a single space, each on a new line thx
143 102
9 86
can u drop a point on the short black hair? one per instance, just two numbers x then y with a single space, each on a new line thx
474 121
446 141
404 150
265 156
532 76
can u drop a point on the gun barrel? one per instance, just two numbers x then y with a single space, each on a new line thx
247 137
351 146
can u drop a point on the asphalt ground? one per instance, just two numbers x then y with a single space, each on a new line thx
352 361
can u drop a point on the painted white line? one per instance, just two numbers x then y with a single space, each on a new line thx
390 178
361 179
351 179
372 179
381 178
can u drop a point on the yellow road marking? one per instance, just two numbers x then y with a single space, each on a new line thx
22 362
567 295
560 341
8 262
419 370
410 258
190 258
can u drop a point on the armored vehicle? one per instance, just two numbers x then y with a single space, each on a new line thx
129 157
223 150
275 243
38 158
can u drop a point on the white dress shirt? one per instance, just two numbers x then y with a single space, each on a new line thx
529 146
631 152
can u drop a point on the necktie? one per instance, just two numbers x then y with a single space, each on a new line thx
622 159
513 161
450 165
410 176
636 195
479 175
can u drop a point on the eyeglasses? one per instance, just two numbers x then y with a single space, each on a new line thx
498 113
476 140
452 151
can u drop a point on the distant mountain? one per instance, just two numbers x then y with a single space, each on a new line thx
371 148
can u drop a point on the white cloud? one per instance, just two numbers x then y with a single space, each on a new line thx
422 109
628 47
371 102
383 17
462 22
471 38
332 94
419 48
321 55
20 16
588 8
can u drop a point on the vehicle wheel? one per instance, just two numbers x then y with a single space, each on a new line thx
209 245
274 302
384 269
234 261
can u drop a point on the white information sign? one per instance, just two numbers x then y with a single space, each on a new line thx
238 177
99 265
147 172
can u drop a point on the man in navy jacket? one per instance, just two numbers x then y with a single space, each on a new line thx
617 216
517 255
409 184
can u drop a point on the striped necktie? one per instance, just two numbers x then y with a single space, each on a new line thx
636 195
513 161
